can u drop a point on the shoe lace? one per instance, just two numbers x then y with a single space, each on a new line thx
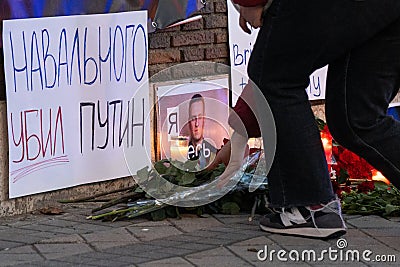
332 206
292 215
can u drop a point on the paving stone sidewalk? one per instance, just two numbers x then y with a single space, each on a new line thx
215 240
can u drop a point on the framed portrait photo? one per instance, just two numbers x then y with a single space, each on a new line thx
191 119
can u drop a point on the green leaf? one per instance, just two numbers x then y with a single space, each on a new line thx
390 209
166 186
348 199
380 186
158 215
190 165
143 174
171 211
321 124
160 166
363 209
187 178
343 176
138 190
230 208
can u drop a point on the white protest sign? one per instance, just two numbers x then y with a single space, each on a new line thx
77 95
241 45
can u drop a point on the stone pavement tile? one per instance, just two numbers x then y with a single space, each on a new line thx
394 219
206 233
248 249
20 255
79 260
382 232
351 216
246 226
4 227
38 227
15 234
372 221
283 241
143 250
169 243
54 251
74 238
110 238
175 251
232 234
58 222
147 233
89 227
390 241
18 221
347 218
354 237
55 263
46 235
215 235
216 257
227 228
327 263
5 245
18 237
178 262
148 223
132 260
203 240
191 223
101 255
102 259
251 231
65 230
82 220
231 219
258 242
237 228
105 245
240 235
147 256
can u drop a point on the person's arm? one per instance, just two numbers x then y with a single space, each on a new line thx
251 12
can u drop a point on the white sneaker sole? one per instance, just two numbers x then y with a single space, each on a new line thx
306 231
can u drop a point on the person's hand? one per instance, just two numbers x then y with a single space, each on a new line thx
231 154
222 156
251 15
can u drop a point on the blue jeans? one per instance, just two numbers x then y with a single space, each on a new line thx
360 40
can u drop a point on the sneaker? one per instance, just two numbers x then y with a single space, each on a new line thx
323 222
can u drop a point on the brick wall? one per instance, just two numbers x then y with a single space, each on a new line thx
205 39
202 40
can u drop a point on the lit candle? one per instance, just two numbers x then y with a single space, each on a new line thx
179 148
377 176
179 153
327 143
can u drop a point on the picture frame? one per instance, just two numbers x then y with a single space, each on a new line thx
171 130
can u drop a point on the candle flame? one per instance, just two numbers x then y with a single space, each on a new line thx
378 176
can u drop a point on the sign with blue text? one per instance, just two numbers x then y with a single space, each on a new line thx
77 95
241 45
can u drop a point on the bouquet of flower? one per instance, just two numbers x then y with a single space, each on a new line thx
345 164
371 197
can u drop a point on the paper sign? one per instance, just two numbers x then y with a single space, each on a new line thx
77 95
241 46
